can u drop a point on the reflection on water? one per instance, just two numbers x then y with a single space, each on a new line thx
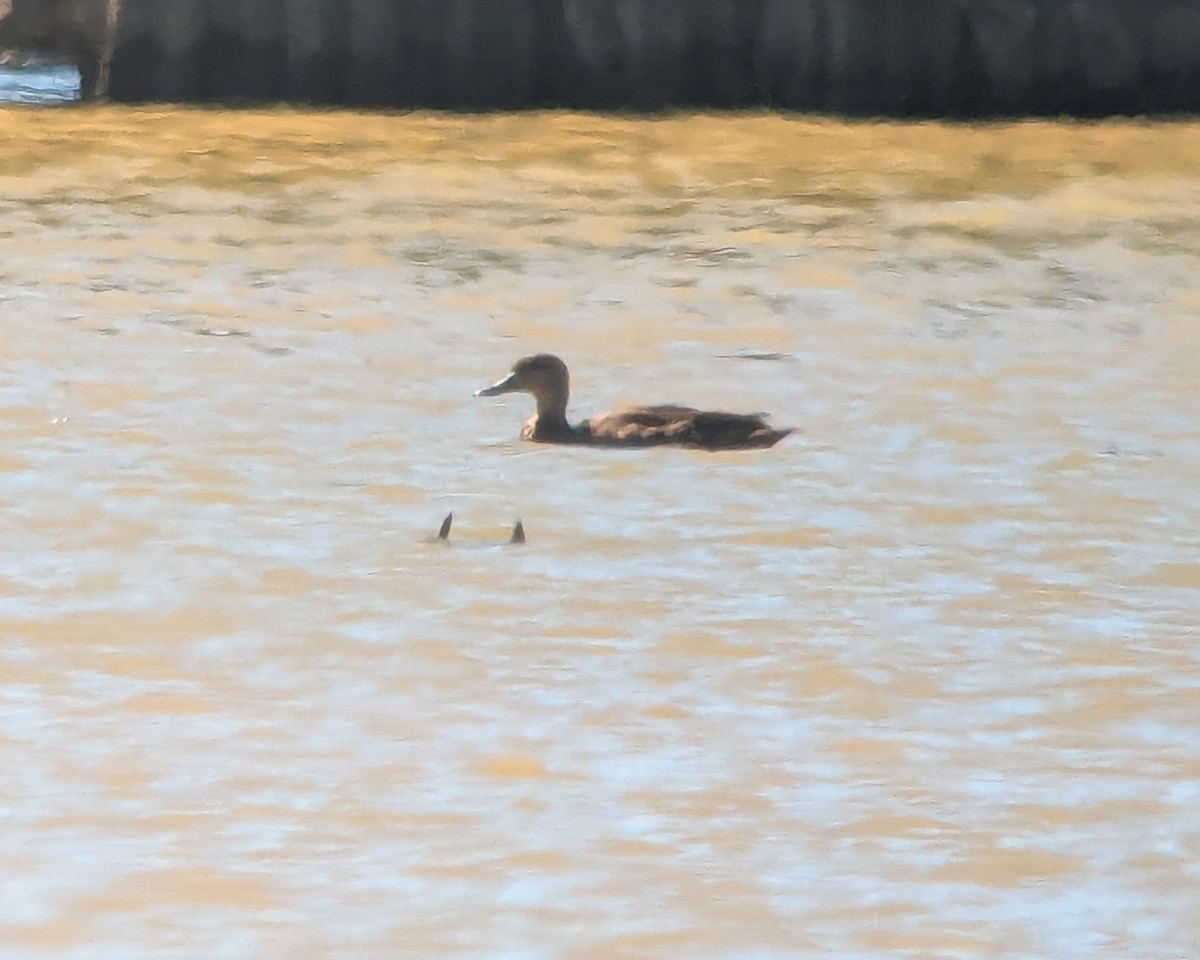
921 681
38 83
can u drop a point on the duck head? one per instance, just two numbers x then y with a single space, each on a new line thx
543 375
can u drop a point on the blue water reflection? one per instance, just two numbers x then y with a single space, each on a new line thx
38 83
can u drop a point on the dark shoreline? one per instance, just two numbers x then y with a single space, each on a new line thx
887 58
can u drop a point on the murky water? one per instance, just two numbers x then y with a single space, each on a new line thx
921 681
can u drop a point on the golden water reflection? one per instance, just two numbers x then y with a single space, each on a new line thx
921 681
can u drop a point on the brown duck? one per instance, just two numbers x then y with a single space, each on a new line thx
545 376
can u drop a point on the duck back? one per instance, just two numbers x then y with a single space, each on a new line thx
682 426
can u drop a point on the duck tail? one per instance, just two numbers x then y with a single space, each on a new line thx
518 534
770 436
444 532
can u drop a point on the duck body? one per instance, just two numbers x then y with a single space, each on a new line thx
660 426
545 376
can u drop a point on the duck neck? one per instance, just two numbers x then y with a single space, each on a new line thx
552 414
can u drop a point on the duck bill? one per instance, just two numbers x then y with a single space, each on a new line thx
507 385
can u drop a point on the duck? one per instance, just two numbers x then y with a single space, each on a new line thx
546 377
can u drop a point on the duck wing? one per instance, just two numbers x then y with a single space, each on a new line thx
683 426
717 430
641 426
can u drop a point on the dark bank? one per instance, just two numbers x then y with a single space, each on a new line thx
958 58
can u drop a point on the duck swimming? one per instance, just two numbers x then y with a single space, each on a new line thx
545 376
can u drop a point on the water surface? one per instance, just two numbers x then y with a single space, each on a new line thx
919 682
38 83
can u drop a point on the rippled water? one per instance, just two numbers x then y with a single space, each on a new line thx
38 84
921 681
